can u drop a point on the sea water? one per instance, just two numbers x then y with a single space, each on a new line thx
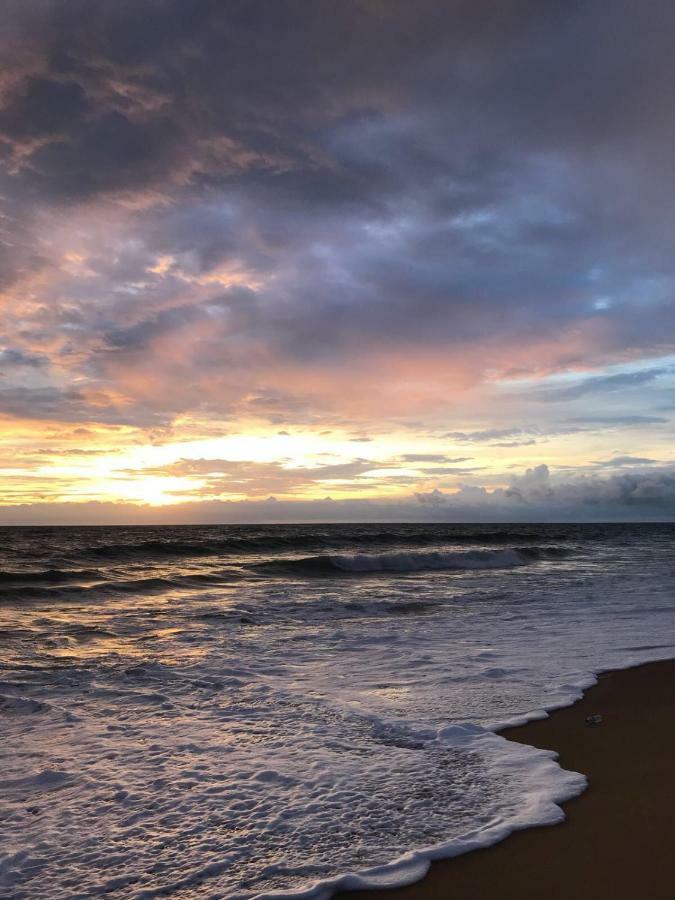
284 710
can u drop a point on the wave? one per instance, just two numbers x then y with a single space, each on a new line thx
403 561
300 538
30 590
48 576
173 582
21 706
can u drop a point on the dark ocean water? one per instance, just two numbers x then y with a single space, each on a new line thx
231 711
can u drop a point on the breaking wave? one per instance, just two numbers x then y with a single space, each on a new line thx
404 561
271 540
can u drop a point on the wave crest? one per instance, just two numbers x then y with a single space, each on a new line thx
402 561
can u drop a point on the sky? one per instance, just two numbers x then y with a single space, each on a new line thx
280 260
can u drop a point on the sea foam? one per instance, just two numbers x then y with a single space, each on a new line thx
279 734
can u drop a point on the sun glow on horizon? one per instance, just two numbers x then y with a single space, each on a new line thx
254 462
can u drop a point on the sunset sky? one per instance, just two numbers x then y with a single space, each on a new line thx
367 259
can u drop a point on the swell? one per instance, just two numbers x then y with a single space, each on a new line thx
298 538
47 576
28 590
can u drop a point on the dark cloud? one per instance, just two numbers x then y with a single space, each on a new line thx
68 405
41 108
310 211
603 384
539 496
11 358
43 403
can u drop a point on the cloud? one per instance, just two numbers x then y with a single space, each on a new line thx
11 358
538 496
602 384
625 461
534 485
535 496
220 213
627 421
449 470
433 458
213 477
527 435
528 442
489 434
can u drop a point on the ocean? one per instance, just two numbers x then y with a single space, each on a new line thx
278 711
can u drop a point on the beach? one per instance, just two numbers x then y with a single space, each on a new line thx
617 839
248 711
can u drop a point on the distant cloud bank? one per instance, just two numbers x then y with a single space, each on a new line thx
534 496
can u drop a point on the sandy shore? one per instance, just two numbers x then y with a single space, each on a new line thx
618 840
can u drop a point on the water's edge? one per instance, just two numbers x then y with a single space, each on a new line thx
413 866
285 713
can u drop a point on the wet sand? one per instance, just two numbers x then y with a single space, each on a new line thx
618 840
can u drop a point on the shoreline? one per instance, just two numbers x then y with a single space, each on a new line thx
617 836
